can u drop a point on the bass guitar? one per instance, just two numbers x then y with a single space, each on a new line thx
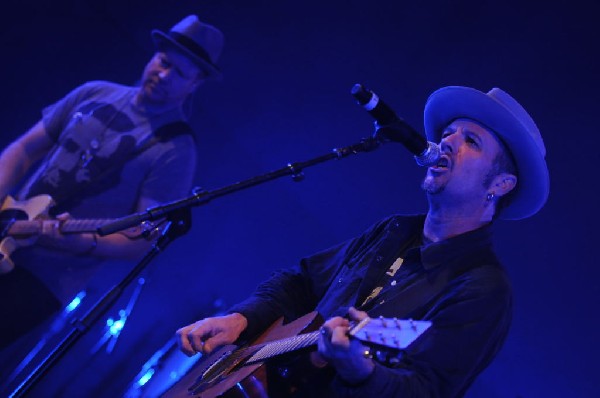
233 371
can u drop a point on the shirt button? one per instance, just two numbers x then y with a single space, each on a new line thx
378 258
340 280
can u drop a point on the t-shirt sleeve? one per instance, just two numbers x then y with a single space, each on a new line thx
57 115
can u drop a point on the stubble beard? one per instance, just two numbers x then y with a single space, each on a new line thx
431 186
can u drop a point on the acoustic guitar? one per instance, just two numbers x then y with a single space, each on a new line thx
233 371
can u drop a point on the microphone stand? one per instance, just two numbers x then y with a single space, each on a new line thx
201 197
178 215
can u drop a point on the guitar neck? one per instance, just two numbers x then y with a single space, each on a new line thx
280 347
78 226
34 227
383 332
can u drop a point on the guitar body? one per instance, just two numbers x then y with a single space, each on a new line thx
12 209
234 380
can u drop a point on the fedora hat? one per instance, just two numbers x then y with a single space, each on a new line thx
201 42
501 113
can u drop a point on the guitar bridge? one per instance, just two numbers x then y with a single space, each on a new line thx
228 362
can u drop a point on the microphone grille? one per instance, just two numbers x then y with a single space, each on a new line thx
430 156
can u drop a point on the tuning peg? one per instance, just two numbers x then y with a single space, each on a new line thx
412 323
383 323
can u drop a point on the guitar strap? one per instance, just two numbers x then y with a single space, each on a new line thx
161 134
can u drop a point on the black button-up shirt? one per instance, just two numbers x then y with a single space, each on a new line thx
457 284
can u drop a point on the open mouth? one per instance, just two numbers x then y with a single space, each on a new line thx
155 88
442 163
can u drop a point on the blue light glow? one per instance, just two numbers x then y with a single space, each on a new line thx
144 379
75 302
116 327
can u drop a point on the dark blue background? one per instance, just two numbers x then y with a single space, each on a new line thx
289 67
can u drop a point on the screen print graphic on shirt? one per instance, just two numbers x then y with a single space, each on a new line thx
389 274
94 140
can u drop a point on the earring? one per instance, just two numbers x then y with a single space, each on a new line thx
490 196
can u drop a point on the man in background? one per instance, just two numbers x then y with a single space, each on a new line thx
105 150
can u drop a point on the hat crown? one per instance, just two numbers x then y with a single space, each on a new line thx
204 35
201 42
520 114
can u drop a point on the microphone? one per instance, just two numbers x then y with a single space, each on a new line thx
393 128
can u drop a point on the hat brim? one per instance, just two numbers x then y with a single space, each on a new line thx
533 186
161 40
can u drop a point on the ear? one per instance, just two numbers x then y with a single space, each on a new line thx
503 183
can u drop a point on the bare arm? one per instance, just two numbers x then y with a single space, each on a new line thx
115 246
123 247
21 154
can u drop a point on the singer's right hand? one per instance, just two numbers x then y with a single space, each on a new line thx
209 334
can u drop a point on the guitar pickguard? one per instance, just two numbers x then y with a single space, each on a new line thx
12 210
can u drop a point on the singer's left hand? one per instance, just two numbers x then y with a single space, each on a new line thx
346 356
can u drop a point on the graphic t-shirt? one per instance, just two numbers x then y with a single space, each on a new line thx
96 170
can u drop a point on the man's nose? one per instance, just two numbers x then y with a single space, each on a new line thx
446 144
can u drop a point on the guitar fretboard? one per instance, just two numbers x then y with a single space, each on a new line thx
34 227
279 347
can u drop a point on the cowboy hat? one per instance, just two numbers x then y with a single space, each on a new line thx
201 42
502 114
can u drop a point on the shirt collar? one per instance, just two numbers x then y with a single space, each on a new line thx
434 254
